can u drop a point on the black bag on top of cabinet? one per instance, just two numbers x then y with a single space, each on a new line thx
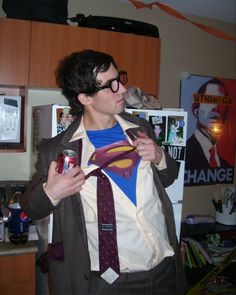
52 11
116 24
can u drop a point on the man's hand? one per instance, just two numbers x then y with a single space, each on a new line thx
59 186
147 149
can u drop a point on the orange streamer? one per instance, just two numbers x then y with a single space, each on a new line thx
173 12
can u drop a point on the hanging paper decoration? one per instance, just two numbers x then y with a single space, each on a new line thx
173 12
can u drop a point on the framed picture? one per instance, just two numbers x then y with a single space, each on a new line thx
211 135
11 122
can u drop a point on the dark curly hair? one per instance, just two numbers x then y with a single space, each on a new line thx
77 74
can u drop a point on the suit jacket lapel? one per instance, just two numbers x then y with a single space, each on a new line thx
74 145
76 200
78 207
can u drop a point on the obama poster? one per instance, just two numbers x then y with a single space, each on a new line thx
211 134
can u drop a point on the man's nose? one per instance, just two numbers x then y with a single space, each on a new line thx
122 88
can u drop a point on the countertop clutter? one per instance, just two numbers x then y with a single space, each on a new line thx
18 259
15 220
209 258
8 248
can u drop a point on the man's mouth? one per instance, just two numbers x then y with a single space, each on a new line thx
121 101
214 117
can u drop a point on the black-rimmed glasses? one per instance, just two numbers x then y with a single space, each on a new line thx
114 84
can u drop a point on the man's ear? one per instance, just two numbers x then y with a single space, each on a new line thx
195 109
195 112
84 99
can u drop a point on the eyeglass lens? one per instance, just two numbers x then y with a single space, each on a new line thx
122 78
114 84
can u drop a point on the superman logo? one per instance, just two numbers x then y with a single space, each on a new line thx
124 155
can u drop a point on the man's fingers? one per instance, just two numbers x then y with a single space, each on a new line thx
52 168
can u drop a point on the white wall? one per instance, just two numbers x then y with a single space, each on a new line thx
183 48
17 166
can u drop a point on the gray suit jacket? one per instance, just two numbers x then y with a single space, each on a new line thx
72 275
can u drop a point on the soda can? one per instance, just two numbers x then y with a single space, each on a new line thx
66 161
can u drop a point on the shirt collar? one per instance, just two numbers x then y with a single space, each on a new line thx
204 141
124 123
81 132
206 144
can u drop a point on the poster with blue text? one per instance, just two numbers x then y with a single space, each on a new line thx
211 135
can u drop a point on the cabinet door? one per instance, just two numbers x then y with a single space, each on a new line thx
14 51
50 43
138 55
17 274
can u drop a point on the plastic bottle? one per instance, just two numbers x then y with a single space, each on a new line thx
18 222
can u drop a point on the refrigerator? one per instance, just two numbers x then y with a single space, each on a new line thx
46 119
170 128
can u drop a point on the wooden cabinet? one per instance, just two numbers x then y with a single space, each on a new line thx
14 51
17 274
138 55
30 52
14 69
49 44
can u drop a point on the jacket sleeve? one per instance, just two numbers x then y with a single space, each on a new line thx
34 202
170 173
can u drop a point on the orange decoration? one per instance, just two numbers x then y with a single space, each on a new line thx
173 12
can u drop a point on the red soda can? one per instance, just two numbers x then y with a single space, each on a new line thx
66 161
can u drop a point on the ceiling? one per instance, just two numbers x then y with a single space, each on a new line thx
224 10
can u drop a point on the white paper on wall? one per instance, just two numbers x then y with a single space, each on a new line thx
170 128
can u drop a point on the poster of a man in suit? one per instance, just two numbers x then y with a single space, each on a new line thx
211 135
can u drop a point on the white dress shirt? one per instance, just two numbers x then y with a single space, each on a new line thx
141 230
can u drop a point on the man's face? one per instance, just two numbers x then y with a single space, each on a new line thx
157 130
208 114
211 117
70 118
63 119
105 102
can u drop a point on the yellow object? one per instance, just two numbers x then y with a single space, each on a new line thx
198 288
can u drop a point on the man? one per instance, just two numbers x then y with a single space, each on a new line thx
61 124
117 150
210 109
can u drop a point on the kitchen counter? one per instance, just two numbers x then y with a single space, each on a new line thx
8 248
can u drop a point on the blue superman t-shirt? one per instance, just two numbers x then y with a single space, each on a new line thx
110 143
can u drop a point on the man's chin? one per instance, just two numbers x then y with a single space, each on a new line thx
121 110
